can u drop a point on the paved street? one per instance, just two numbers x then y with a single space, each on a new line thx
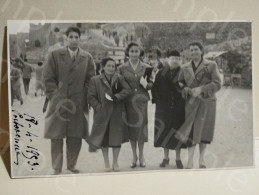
232 145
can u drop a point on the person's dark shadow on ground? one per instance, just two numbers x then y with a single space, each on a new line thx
4 112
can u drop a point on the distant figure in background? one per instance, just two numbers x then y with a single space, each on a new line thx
39 82
119 63
97 68
154 60
124 42
160 64
27 70
15 85
17 64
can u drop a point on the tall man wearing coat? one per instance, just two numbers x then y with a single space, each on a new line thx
66 77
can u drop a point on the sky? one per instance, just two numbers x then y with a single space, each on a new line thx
15 26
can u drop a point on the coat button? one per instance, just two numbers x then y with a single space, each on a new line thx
136 75
136 90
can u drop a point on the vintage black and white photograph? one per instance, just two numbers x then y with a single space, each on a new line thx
126 97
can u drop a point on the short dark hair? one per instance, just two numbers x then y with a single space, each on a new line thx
131 44
73 29
199 44
173 53
40 63
105 60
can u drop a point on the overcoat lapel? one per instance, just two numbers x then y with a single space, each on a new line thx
201 66
191 75
80 56
67 58
114 78
140 67
129 67
103 79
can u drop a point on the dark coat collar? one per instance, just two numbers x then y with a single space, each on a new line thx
204 63
103 79
166 68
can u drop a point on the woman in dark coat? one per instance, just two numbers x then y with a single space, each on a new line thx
134 72
169 108
106 93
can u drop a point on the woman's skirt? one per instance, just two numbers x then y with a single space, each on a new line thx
137 120
106 142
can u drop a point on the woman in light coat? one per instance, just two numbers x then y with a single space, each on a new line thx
202 80
106 94
134 72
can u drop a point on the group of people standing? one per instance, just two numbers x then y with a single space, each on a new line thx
184 96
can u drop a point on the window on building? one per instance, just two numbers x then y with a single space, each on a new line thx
37 43
56 29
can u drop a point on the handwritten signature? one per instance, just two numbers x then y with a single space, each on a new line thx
30 153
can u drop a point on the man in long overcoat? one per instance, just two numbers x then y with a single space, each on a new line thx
66 77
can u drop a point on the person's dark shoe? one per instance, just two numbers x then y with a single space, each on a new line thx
74 170
133 165
21 102
35 94
202 166
164 162
179 164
